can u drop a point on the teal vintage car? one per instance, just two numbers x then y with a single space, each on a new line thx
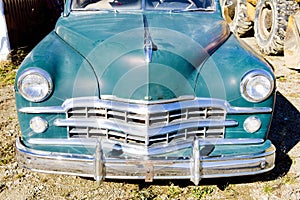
144 89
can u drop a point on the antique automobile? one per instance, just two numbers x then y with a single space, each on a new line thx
144 89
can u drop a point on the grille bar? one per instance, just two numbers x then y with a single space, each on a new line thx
161 118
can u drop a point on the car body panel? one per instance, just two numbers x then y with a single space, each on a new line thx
101 35
148 87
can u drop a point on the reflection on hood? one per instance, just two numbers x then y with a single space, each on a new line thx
114 44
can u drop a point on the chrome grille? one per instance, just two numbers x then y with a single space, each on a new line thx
142 124
150 119
85 132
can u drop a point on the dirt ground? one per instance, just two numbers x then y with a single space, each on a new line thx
281 183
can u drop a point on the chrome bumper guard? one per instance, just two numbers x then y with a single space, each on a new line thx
194 168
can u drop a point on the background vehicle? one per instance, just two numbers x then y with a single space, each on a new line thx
268 20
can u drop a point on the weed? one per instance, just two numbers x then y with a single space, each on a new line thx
281 78
44 179
173 191
20 175
7 73
9 68
268 189
7 159
288 179
3 161
202 191
145 194
293 95
18 55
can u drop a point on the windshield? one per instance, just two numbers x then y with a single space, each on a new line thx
170 5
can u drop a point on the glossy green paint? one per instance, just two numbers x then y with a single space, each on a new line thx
95 54
64 65
113 43
71 74
239 132
51 133
221 74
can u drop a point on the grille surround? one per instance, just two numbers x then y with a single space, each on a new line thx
145 124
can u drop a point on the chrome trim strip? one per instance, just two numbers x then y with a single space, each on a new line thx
132 101
141 150
42 110
92 141
163 168
143 108
61 142
244 110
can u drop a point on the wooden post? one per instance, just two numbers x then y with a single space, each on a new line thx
4 40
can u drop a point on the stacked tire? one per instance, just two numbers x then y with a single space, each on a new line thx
235 14
269 24
271 20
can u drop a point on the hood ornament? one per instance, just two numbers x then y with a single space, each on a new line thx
148 50
149 46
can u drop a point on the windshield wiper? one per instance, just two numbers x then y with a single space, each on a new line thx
189 10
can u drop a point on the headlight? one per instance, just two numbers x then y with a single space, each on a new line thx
35 84
257 85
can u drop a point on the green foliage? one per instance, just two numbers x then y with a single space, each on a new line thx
281 78
6 153
17 56
7 73
288 179
268 189
20 175
173 192
145 194
202 191
9 68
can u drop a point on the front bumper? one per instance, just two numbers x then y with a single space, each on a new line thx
148 168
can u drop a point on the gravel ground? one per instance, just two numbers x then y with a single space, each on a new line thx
281 183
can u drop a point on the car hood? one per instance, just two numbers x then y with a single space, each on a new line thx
144 56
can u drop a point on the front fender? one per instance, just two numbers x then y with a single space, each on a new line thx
71 74
221 74
220 77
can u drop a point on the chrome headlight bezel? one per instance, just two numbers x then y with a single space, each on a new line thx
43 76
261 77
